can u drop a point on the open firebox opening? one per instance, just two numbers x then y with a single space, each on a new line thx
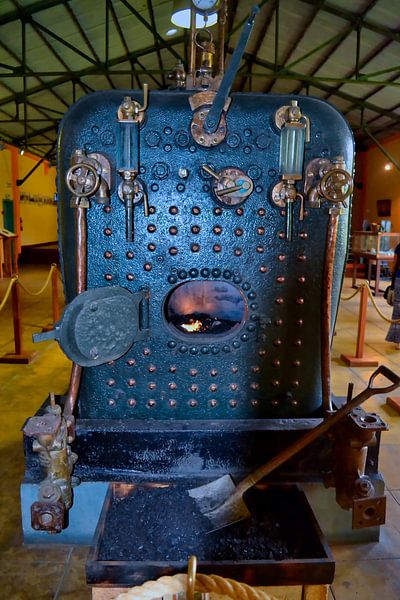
205 307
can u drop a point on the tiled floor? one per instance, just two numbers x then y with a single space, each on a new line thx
363 572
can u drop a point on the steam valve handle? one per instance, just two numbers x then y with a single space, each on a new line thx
82 180
332 184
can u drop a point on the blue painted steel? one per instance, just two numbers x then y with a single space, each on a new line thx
271 367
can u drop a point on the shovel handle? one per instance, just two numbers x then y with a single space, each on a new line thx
320 429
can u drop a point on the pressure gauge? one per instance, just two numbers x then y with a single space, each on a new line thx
206 5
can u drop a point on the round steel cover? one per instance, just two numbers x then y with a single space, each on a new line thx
99 325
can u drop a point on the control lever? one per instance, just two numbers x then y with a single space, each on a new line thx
131 191
231 186
214 116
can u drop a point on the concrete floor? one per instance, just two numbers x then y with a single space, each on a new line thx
363 571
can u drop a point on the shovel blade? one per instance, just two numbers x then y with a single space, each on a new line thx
218 502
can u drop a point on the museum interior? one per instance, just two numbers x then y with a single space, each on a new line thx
199 300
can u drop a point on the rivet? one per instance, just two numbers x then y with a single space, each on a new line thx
239 212
301 279
152 385
283 213
234 369
227 274
205 272
255 369
193 372
151 368
237 279
194 388
275 383
192 403
277 342
299 300
214 350
107 254
172 279
194 273
303 235
152 210
301 257
130 276
131 382
130 254
254 402
254 306
279 300
246 286
217 211
151 228
213 387
151 403
261 212
281 235
173 251
108 231
260 230
226 348
260 249
146 351
294 402
205 350
299 322
275 403
216 272
296 363
276 362
193 350
195 229
213 372
295 383
108 277
110 382
111 402
147 266
233 403
297 343
131 362
233 386
262 352
183 349
173 210
217 229
196 210
213 403
244 337
131 402
254 386
237 252
251 327
263 269
171 344
173 230
182 274
195 247
278 322
217 248
281 257
107 209
172 369
151 247
280 279
238 231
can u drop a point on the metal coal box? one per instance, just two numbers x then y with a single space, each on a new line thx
150 529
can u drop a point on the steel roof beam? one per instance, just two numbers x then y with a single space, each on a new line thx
15 15
357 20
156 42
123 41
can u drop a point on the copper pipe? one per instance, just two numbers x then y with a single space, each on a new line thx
192 63
221 38
81 283
326 310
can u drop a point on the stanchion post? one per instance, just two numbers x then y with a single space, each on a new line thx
19 356
54 295
359 360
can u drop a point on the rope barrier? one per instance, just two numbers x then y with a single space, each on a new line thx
53 266
365 284
8 291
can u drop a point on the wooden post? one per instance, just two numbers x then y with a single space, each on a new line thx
359 360
18 356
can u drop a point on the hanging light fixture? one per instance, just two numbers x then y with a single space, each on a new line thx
181 15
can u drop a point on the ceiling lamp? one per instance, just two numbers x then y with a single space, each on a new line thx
181 14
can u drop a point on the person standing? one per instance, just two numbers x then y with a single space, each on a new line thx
393 335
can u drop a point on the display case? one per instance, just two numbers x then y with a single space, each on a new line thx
370 242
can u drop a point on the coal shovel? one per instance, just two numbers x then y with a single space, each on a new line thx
222 501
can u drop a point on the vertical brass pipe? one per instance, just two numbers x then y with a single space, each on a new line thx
326 310
221 38
81 283
192 64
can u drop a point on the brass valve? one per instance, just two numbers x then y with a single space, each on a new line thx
132 111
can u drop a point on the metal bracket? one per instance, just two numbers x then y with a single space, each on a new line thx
369 512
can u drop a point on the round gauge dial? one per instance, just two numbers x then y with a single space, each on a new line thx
232 187
205 5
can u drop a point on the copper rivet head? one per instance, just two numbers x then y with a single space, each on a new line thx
193 372
296 363
111 402
129 254
151 228
239 211
172 403
279 300
108 277
195 229
301 279
295 383
151 247
279 322
107 254
173 210
294 402
152 368
194 388
233 403
173 251
233 386
303 235
147 266
193 403
195 247
237 252
131 362
213 403
110 382
299 322
255 369
131 402
213 387
196 210
130 276
152 385
297 342
299 300
108 231
262 352
173 230
217 229
302 257
172 369
217 248
263 269
275 403
146 351
131 382
260 249
260 230
254 385
234 369
276 363
238 231
172 386
281 235
151 403
280 279
254 402
213 372
277 342
261 212
275 383
281 257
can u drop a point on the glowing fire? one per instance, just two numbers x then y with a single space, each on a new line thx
195 326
